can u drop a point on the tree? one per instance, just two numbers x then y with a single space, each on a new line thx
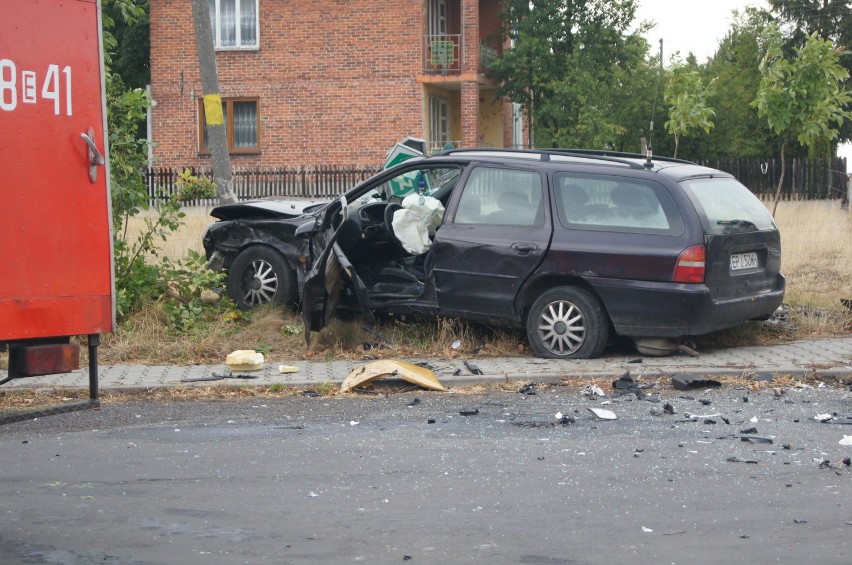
828 19
129 28
568 65
738 131
686 94
803 97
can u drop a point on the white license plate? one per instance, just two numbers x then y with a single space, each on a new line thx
740 261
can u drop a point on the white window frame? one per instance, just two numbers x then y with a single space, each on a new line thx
437 17
439 121
217 28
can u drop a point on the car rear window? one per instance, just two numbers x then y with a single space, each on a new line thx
608 203
726 206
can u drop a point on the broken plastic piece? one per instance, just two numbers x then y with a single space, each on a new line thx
287 369
473 412
244 360
528 389
603 413
393 369
593 390
847 440
473 368
689 382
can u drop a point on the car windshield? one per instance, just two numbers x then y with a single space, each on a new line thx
433 181
726 206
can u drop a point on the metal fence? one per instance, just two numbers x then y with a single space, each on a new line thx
250 183
805 179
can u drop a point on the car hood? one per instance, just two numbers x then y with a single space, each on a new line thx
267 208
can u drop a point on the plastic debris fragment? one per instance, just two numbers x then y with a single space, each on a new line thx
689 382
394 369
593 390
602 413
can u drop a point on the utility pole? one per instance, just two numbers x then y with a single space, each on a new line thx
217 135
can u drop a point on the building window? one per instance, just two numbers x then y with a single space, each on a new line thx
234 23
438 17
439 122
242 123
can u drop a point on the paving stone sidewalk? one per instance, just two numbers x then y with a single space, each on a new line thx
824 357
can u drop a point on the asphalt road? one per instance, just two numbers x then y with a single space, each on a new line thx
369 479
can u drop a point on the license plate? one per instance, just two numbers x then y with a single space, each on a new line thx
740 261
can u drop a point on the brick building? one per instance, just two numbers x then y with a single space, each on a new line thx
331 82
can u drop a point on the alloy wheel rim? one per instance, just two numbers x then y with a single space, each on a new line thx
261 283
561 327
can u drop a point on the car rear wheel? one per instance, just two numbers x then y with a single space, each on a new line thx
260 275
567 323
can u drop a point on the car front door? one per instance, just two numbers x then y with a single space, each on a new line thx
499 231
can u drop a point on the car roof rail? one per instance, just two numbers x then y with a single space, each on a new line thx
615 157
623 154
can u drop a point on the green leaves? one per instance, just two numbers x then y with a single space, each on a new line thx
569 67
686 95
803 97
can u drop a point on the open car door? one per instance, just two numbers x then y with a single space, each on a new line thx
330 275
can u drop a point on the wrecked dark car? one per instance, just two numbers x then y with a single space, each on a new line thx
254 242
574 246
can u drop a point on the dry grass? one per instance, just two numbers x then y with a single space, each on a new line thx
188 238
816 241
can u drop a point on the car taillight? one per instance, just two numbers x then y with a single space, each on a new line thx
691 265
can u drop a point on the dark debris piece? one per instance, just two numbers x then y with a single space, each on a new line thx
217 377
528 389
755 439
738 460
690 382
466 412
414 401
749 431
668 408
533 424
473 368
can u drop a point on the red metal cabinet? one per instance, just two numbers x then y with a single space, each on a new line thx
55 243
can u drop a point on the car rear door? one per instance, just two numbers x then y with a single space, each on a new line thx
498 234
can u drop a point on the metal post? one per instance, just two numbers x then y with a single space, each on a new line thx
94 342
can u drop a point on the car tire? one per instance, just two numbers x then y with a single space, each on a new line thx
260 275
567 322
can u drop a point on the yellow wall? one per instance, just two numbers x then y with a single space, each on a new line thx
454 103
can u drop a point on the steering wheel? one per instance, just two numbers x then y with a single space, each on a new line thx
389 211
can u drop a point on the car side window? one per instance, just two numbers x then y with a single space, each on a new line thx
606 203
495 196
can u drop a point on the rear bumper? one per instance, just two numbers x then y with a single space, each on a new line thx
674 310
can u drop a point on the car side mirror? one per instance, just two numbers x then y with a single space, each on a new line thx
306 230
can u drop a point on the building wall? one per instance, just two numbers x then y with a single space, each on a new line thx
336 81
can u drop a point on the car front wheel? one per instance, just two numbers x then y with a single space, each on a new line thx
567 323
260 275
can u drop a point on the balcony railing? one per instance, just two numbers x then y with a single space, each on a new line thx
442 53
